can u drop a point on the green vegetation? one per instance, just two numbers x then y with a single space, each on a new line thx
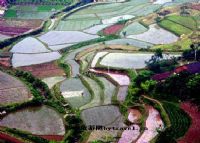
46 8
159 65
186 21
10 14
180 45
174 27
180 122
75 127
188 86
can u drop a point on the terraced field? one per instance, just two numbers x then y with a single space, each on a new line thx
93 54
38 120
96 91
74 91
180 121
109 90
12 90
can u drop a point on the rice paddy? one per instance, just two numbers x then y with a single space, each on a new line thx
74 91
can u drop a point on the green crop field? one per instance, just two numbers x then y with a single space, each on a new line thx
180 121
174 27
10 14
45 8
179 45
186 21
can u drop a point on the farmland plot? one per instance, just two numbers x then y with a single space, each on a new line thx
174 27
44 70
69 59
97 93
113 29
96 58
65 37
18 23
133 29
95 29
153 124
103 115
132 42
192 135
162 1
86 60
134 115
4 37
117 19
122 92
125 60
74 67
80 24
102 135
128 60
109 90
15 27
128 136
37 120
51 81
186 21
120 79
29 45
74 86
19 60
33 15
59 47
156 35
12 90
146 10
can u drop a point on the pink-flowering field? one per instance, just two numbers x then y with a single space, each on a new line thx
121 79
128 136
153 124
134 115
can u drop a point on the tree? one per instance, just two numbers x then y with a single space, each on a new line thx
148 85
195 48
158 53
124 33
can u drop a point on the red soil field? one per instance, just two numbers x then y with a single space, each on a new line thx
9 138
44 70
12 27
52 137
193 134
113 29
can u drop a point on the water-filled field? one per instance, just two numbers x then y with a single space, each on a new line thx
74 86
110 116
156 35
37 120
65 37
19 60
132 42
29 45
